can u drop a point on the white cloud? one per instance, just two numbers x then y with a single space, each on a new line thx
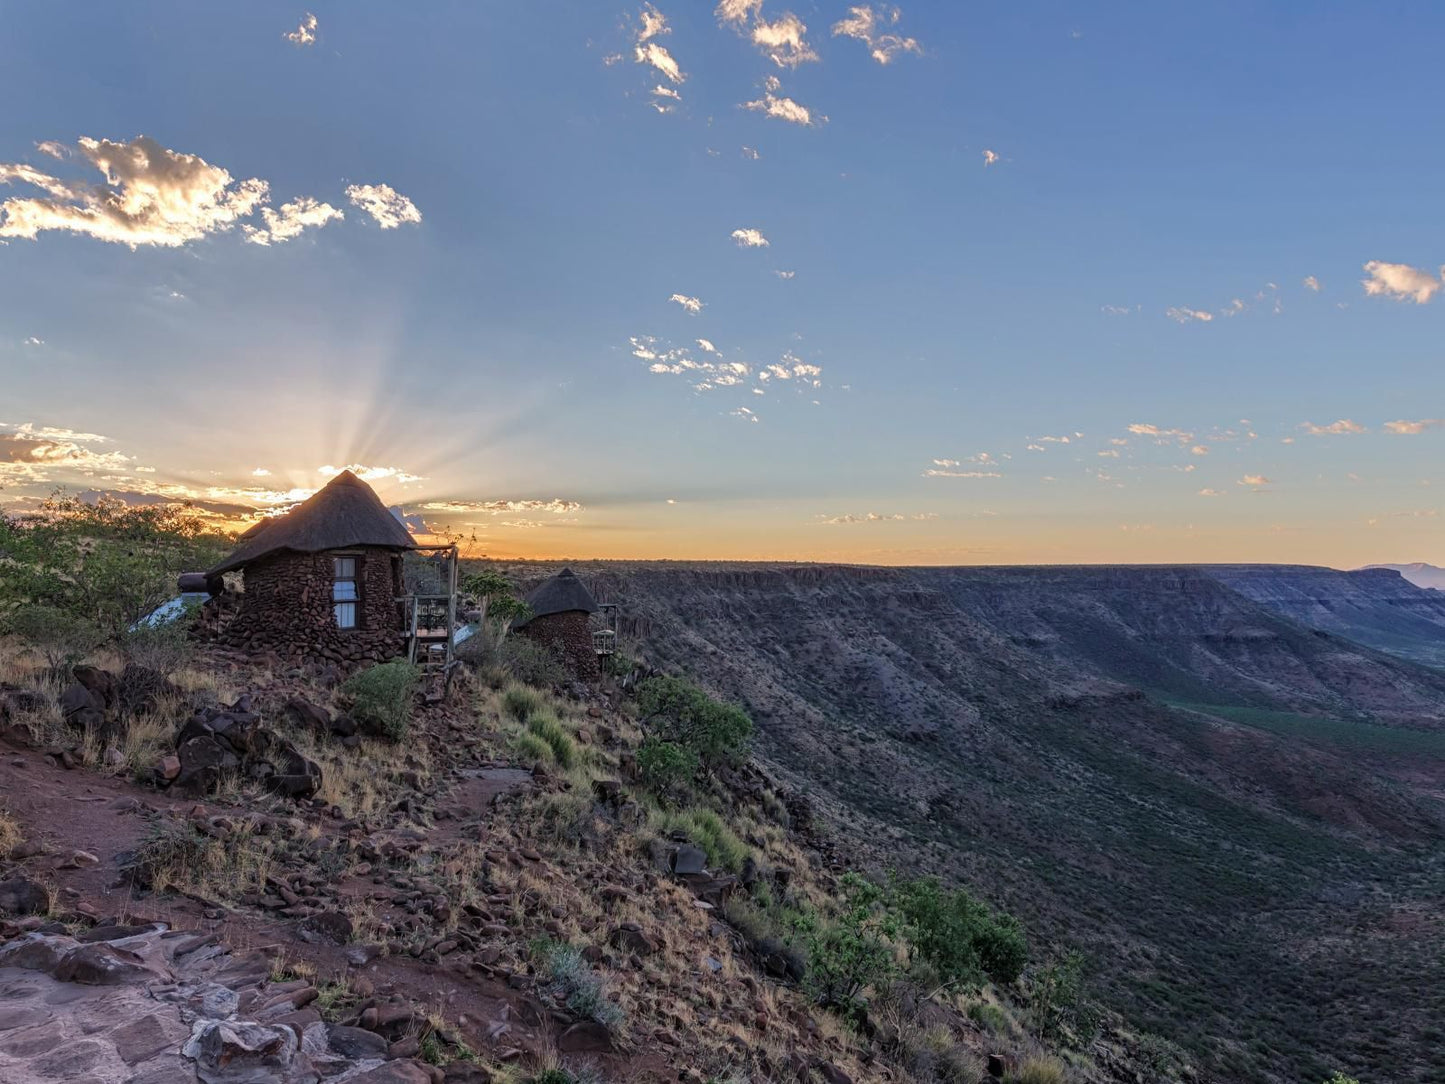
1312 283
305 34
691 304
785 275
372 474
744 413
1199 449
864 25
384 203
523 524
1409 428
1211 492
783 40
774 105
990 158
556 506
750 238
738 11
1342 427
30 453
1400 281
291 220
653 24
260 472
751 153
873 517
151 196
1255 480
648 51
706 346
33 340
945 472
1184 316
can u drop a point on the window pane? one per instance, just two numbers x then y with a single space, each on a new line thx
344 591
345 568
346 615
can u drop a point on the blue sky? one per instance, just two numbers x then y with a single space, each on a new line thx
1144 229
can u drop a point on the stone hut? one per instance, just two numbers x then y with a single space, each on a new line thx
322 580
561 609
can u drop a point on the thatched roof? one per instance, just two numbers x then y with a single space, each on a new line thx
562 593
343 513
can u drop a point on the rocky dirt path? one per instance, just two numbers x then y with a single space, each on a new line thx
79 830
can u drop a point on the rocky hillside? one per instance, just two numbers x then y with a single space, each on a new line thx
1380 607
1229 812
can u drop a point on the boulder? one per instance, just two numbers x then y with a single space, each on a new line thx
330 926
22 896
203 761
355 1042
308 716
629 937
238 1052
689 859
585 1037
102 964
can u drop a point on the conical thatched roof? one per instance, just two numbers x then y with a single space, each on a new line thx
345 512
562 593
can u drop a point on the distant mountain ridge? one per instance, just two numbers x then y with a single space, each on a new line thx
1378 606
1419 573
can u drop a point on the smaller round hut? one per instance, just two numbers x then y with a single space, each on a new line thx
561 611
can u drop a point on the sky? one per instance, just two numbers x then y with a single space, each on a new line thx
930 284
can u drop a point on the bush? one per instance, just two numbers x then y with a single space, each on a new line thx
546 725
108 564
958 936
572 980
1039 1069
533 663
382 697
530 749
62 638
173 853
681 712
665 766
851 952
989 1017
706 829
1060 1010
521 703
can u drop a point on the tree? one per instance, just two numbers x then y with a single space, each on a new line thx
958 935
495 594
679 711
107 563
851 952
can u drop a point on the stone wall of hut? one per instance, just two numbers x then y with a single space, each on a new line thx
286 608
570 635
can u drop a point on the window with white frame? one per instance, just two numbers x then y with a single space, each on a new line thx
345 594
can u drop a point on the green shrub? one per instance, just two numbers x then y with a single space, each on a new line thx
1340 1078
1061 1012
533 663
105 563
710 832
521 703
572 980
63 638
852 951
382 697
546 725
665 766
530 749
989 1017
679 711
959 936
